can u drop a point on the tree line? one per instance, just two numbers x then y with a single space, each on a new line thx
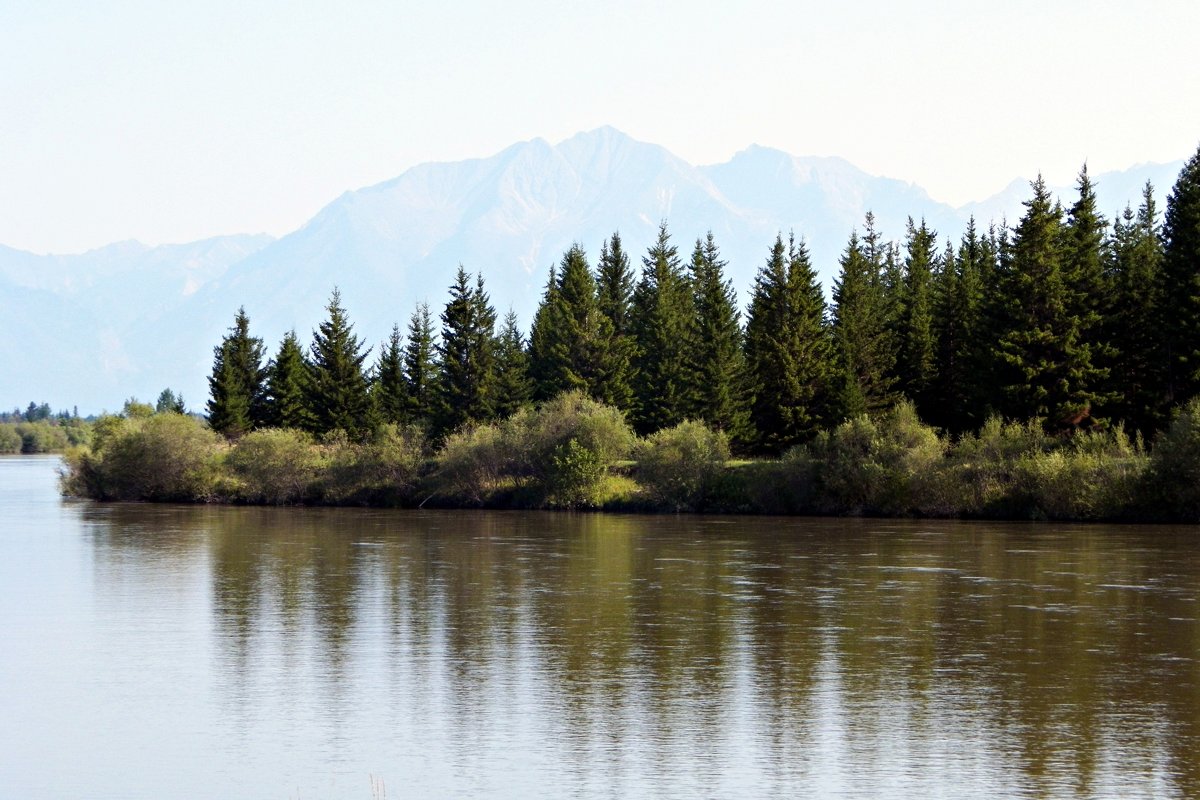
1065 318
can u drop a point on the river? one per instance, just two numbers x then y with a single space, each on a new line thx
212 652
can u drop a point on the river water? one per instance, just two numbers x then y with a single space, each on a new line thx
171 651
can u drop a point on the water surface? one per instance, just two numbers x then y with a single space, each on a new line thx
169 651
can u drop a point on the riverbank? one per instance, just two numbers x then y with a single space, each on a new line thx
574 453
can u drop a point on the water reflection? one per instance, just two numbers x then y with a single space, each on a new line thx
617 656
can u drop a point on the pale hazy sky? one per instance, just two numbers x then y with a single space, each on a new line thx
172 121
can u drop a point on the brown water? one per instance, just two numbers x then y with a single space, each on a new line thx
165 651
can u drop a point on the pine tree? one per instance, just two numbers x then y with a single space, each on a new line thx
340 390
420 368
1048 367
662 326
917 364
789 351
570 350
389 388
718 364
235 404
614 297
289 387
169 402
865 356
1179 300
958 297
513 388
467 357
1088 290
1135 253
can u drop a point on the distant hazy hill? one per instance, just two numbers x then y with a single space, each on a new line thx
127 319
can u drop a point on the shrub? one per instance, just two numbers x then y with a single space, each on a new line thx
471 463
380 472
885 466
41 437
680 466
274 465
1172 480
164 457
10 440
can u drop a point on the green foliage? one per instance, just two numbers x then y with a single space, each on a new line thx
465 391
514 388
235 404
379 472
861 338
165 457
391 400
41 437
168 401
718 364
917 362
960 390
1173 487
663 329
614 298
339 390
680 466
10 440
274 466
1179 297
289 387
789 351
420 368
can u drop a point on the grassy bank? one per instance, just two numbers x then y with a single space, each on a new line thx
575 453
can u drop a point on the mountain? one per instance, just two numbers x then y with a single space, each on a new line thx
129 320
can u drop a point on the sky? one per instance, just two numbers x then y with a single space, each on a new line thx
169 121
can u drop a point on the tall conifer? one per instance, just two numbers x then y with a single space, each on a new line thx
865 356
391 396
1179 300
513 386
718 366
420 366
288 392
235 403
340 388
467 356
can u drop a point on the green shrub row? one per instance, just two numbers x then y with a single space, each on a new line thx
41 436
573 452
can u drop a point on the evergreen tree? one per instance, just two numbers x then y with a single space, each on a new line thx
718 366
514 389
1132 326
390 390
1179 301
570 350
614 297
917 358
289 387
789 351
169 402
235 403
865 356
662 326
420 367
1049 371
960 403
467 357
1088 291
340 390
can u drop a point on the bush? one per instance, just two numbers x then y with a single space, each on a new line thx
41 437
888 466
10 440
471 463
165 457
680 466
380 472
275 466
1172 481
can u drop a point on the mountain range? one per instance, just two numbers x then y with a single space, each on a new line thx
124 320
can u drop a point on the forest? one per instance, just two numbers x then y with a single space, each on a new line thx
1065 335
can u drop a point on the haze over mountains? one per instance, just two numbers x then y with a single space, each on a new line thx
126 319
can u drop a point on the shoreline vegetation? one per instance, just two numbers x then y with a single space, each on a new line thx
1047 370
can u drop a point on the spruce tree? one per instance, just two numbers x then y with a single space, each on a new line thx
1132 326
662 326
1088 290
958 297
615 281
864 354
917 362
1049 368
235 404
466 357
289 387
570 350
513 389
420 367
340 389
389 388
718 364
1179 299
789 351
